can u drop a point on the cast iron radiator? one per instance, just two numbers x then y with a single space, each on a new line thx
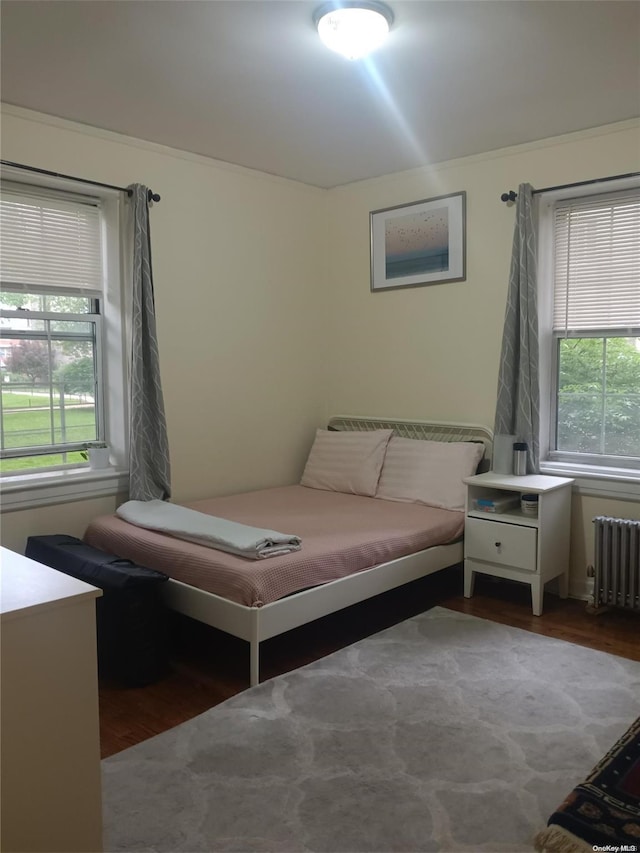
617 562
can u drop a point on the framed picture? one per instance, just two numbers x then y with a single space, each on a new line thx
420 243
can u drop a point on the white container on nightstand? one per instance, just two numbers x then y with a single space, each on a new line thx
515 545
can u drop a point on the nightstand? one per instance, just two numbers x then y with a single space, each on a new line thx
509 544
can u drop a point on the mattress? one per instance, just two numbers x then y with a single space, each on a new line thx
341 534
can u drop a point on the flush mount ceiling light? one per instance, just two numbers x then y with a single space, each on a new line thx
353 29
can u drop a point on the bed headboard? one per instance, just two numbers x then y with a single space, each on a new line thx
425 430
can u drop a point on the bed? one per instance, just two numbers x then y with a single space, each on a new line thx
355 545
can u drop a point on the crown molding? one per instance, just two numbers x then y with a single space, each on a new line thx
145 145
499 153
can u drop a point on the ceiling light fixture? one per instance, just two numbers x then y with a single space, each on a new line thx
353 29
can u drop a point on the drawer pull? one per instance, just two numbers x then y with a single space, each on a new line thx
498 544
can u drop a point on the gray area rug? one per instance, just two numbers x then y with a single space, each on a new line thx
444 733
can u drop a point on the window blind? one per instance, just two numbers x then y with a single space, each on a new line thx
597 263
50 241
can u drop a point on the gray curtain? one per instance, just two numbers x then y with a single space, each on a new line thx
518 405
149 469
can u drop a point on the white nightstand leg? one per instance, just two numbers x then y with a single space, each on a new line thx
469 581
563 585
537 595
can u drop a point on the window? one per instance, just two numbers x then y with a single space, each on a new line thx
590 330
61 353
51 402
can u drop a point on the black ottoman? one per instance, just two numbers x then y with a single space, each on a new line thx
131 617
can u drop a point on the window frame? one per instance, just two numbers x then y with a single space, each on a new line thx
95 320
615 477
67 483
576 457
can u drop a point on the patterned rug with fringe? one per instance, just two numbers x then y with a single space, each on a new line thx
602 813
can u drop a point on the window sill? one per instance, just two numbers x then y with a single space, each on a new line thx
29 491
618 483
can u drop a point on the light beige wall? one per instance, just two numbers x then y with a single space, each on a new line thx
264 333
69 518
432 352
238 273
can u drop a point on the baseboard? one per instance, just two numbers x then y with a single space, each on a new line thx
581 589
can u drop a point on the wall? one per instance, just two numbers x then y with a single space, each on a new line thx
264 334
71 518
432 352
238 269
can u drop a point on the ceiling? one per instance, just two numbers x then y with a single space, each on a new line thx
249 82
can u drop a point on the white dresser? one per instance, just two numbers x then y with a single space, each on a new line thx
49 739
510 544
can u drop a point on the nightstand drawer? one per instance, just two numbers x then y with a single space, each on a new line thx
505 544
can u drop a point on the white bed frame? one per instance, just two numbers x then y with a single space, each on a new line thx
256 624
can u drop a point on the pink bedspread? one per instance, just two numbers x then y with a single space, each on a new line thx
341 534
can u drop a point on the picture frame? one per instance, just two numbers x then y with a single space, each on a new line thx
418 244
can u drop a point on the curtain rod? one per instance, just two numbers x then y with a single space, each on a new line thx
512 196
151 196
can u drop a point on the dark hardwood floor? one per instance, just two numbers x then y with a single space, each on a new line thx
208 666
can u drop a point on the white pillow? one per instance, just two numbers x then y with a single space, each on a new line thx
348 461
428 472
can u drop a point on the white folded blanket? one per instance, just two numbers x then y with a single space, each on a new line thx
209 530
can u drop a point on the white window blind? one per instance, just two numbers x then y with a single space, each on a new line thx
49 241
597 263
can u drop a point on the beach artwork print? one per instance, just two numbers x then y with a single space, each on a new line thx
419 243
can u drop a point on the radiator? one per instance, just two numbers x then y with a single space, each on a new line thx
617 562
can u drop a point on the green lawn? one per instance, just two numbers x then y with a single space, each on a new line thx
30 428
13 400
27 463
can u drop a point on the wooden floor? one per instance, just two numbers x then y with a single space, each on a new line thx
208 666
